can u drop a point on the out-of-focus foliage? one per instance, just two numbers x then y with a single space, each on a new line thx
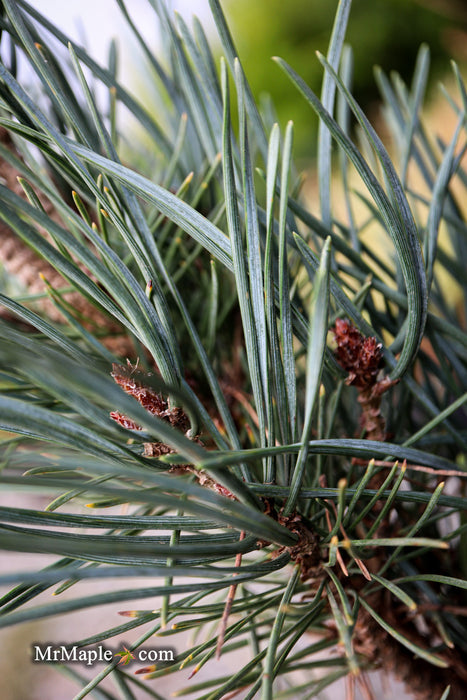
387 33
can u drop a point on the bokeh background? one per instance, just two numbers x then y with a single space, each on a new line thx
385 33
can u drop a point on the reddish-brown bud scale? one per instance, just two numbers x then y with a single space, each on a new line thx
132 381
361 357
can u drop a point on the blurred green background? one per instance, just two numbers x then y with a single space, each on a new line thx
387 33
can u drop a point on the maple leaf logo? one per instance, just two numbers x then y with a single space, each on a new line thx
126 655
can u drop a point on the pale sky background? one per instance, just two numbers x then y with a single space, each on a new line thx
96 22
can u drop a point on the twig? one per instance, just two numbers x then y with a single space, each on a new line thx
228 605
